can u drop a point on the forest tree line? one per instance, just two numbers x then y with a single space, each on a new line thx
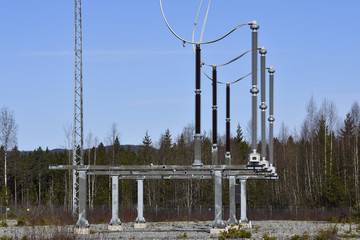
318 165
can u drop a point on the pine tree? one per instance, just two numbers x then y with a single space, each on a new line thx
242 145
146 151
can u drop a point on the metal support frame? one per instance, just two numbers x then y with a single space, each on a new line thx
169 171
197 137
141 172
243 215
115 220
140 207
77 146
150 167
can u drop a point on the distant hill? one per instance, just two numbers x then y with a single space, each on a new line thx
134 148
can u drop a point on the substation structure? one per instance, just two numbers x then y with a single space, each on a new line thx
257 168
218 173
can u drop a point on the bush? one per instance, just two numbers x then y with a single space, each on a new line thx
333 219
305 236
184 235
5 238
21 222
4 223
234 233
330 233
267 237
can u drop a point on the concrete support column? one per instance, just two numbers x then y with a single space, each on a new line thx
243 218
218 222
115 222
82 225
140 208
232 214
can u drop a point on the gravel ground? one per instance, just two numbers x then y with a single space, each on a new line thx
177 230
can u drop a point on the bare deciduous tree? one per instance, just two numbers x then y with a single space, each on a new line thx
69 133
8 130
355 115
113 134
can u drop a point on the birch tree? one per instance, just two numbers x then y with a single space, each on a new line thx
355 116
8 130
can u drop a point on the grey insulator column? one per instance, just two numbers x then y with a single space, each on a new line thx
82 221
215 156
254 90
227 153
263 105
243 215
115 202
140 208
197 137
271 118
218 222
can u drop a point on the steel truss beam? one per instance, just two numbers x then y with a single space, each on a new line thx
170 171
155 167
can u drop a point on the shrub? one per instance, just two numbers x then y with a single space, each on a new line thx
333 219
21 222
267 237
305 236
234 233
4 224
330 233
184 235
5 238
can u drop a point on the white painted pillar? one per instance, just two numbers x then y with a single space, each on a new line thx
82 221
140 208
218 222
243 218
115 202
232 213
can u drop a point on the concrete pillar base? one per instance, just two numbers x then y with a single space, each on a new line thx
81 231
114 227
139 225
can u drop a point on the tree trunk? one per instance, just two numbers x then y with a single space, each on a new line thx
356 168
39 189
15 193
5 173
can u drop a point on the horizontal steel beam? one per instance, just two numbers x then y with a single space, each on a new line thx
242 172
148 167
173 173
183 177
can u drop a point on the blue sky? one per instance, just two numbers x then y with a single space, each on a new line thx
137 74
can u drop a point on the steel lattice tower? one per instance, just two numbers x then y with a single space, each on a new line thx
78 140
